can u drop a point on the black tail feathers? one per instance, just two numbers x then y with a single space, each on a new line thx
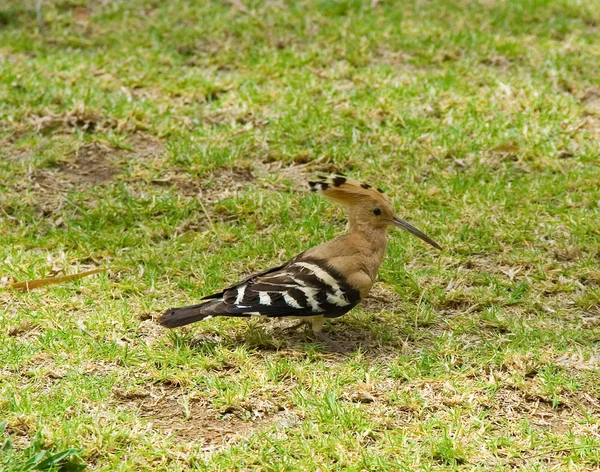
174 317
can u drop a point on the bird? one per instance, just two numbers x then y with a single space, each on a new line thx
325 281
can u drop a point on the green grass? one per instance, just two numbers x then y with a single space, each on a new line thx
170 142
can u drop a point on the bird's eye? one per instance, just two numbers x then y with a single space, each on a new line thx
377 211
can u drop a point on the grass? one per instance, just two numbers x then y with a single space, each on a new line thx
170 142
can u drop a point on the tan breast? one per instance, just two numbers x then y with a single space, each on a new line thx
355 256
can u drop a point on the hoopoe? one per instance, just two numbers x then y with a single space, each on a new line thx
325 281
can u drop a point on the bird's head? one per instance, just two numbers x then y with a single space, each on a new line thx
369 207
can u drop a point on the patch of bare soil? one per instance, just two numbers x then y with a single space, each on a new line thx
96 163
91 163
172 411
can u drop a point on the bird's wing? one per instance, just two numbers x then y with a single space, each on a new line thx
301 287
246 280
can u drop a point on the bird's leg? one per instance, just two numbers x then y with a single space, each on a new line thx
326 340
317 323
317 327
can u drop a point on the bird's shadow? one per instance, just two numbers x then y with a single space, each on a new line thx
341 338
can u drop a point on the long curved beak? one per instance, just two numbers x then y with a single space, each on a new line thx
411 229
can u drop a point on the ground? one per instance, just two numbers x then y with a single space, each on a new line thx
170 143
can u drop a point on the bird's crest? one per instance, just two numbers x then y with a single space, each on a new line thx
347 191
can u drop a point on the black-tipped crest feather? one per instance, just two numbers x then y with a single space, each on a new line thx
345 190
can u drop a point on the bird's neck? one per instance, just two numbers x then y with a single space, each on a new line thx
375 239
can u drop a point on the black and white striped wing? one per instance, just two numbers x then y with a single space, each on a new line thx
298 288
